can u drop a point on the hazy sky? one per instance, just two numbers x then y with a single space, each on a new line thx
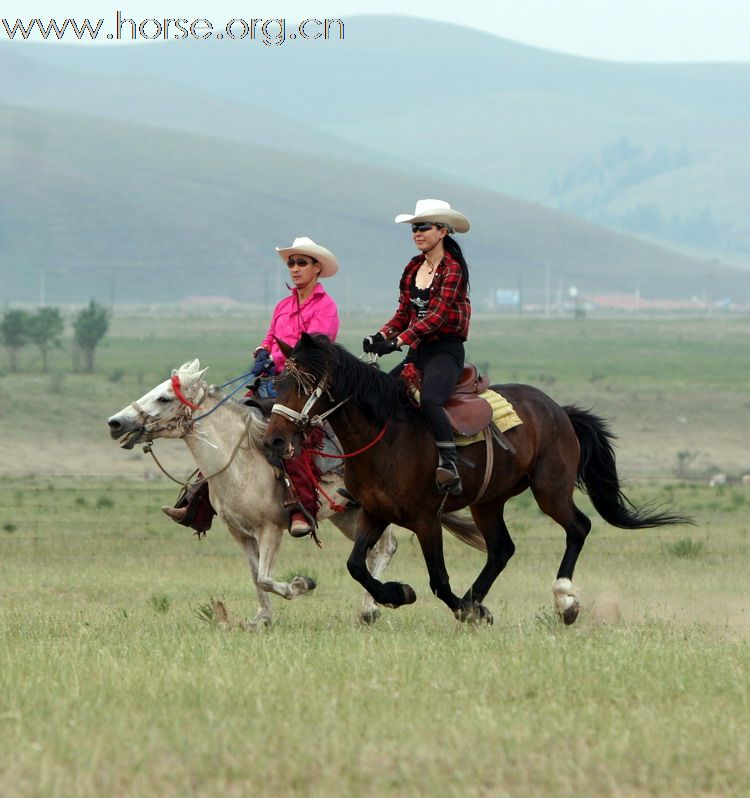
624 30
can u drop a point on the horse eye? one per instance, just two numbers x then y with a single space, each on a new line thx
164 399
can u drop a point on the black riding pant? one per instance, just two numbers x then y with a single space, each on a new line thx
441 363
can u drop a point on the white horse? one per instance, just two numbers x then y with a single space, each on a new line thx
244 491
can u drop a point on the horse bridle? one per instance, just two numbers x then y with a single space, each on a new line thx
184 424
302 419
181 419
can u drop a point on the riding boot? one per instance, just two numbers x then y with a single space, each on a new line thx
304 476
447 478
193 508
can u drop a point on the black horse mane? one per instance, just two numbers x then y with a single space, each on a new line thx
380 395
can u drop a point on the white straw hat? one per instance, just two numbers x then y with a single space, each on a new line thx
435 210
306 246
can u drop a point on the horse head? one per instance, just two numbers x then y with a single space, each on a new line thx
300 388
165 411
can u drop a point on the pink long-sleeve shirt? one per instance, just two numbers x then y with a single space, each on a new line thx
318 314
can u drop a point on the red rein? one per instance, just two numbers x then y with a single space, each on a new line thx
180 395
375 440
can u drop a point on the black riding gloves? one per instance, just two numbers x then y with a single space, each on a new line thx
384 347
368 342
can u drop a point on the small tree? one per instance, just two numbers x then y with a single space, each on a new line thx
90 326
14 330
45 330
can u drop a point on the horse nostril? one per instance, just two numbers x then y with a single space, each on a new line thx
114 424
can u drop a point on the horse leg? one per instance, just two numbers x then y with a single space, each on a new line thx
377 561
389 594
264 615
430 536
269 540
558 504
500 548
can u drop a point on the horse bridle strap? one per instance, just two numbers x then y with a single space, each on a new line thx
177 388
302 418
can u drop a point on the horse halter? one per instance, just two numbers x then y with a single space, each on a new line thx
302 419
181 419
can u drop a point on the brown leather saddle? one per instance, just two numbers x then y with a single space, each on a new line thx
467 411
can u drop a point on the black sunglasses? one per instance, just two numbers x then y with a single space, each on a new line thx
423 227
300 262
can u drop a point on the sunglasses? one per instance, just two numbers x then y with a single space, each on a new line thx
300 262
423 227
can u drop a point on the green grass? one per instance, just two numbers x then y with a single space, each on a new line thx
118 677
687 548
112 683
635 369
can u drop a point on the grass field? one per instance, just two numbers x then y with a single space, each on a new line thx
112 681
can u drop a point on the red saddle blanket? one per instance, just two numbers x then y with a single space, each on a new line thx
467 411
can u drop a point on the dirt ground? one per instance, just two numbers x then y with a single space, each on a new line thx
102 458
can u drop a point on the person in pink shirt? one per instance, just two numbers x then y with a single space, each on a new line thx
308 309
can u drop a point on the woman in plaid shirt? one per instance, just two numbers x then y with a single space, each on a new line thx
432 319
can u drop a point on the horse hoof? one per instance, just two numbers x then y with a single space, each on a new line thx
301 584
485 616
409 595
370 618
474 613
566 600
257 624
400 594
571 613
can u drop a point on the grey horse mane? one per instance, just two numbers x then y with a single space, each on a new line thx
257 426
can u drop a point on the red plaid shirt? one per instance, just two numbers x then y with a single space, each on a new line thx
449 310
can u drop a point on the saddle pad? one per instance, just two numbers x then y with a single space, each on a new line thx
504 417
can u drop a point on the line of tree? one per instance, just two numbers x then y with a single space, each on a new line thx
45 328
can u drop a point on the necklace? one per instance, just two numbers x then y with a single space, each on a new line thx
430 264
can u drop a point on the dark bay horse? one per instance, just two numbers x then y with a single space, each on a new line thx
392 466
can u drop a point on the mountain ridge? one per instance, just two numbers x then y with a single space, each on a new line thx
164 215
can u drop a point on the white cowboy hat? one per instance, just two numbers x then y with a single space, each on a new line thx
306 246
435 210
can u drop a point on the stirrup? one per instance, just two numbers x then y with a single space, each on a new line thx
448 480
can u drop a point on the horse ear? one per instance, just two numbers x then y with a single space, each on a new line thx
191 365
284 346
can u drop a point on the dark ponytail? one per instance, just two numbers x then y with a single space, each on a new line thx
452 246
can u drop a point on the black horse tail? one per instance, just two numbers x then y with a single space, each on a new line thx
597 476
463 529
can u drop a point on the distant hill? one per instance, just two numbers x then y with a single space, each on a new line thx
656 150
105 209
